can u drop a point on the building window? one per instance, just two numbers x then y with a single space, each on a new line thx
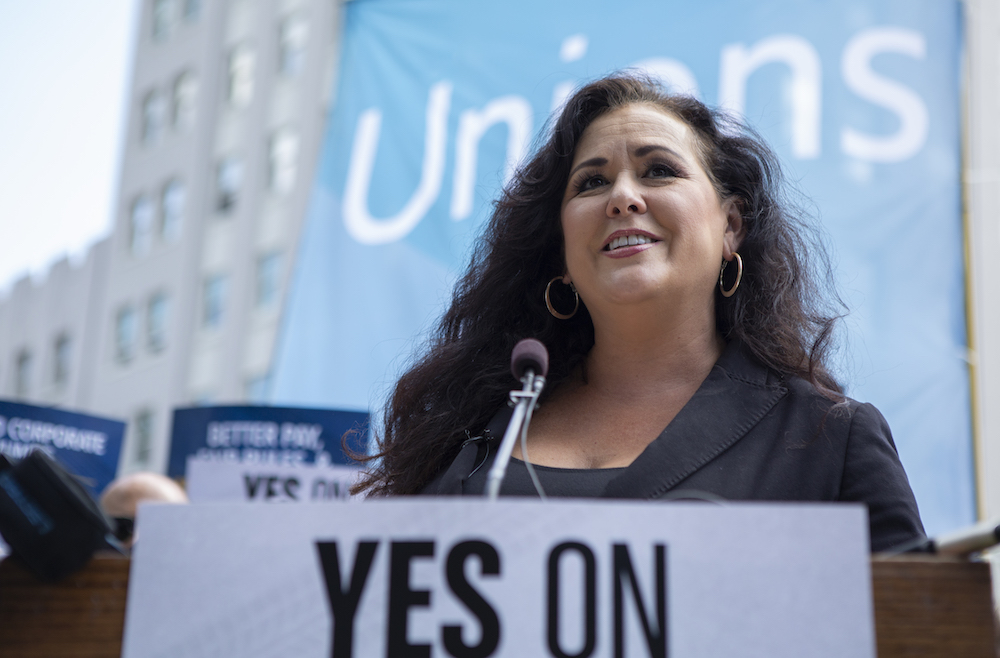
172 210
61 354
240 81
192 10
257 389
268 279
283 155
292 44
156 322
163 18
142 444
182 110
228 178
140 225
214 301
125 329
153 114
22 374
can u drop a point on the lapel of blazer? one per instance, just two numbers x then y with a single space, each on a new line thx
728 404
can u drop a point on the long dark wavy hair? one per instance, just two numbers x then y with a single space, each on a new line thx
781 311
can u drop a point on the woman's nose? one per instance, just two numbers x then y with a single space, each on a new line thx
626 198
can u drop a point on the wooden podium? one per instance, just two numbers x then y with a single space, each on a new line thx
924 606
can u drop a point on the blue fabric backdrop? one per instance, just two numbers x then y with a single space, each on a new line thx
437 99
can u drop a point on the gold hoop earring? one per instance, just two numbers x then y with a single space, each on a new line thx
739 276
552 310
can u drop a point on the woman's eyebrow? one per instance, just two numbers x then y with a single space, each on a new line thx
651 148
593 162
640 152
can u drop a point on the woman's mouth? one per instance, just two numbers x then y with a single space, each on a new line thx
629 241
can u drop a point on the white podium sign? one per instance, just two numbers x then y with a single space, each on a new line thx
437 578
210 481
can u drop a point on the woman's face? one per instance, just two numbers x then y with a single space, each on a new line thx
641 219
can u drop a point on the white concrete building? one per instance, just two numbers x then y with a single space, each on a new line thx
46 333
180 305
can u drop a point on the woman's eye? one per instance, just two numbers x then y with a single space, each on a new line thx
590 183
660 171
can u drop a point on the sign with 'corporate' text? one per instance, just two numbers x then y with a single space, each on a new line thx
424 577
88 446
439 100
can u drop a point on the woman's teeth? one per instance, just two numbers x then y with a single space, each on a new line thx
629 241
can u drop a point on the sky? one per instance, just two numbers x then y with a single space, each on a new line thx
65 68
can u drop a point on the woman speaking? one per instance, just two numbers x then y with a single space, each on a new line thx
647 244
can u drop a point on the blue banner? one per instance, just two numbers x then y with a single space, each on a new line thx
439 99
264 436
88 446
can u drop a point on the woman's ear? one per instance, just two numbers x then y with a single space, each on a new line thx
735 231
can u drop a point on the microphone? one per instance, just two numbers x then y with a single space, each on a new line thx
960 542
529 354
529 363
968 540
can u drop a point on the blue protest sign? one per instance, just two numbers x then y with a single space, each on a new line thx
88 446
263 435
438 100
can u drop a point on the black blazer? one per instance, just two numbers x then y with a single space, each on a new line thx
752 434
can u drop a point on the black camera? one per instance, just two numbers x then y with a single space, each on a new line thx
49 521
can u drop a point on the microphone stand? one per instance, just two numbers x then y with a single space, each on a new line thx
524 401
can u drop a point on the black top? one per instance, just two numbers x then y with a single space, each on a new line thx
750 433
563 482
